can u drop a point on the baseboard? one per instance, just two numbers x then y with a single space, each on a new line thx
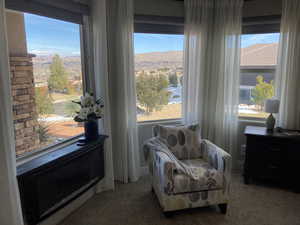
70 208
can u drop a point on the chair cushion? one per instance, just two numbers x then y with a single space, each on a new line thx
183 141
210 178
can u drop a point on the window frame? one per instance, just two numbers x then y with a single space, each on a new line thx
149 24
175 25
84 33
259 25
258 69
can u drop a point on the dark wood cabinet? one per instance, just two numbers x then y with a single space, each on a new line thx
51 181
273 156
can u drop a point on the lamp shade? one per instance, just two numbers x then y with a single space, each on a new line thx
272 105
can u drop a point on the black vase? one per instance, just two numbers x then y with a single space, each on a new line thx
91 130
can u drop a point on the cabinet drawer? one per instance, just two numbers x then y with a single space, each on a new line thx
272 172
265 156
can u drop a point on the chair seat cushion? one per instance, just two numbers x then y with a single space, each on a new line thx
210 178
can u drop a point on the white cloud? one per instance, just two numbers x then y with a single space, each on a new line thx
40 52
75 53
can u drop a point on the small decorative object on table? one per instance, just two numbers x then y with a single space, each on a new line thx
89 113
271 106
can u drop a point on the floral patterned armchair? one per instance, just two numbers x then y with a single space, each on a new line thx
187 171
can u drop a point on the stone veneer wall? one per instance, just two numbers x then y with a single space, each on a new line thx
24 107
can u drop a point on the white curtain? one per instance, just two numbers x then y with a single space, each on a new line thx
212 69
97 45
10 210
121 83
287 79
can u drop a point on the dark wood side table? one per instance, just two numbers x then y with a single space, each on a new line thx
272 156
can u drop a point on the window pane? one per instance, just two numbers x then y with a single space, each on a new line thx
46 76
158 70
258 61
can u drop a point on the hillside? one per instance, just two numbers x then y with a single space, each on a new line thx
146 61
155 60
259 54
41 67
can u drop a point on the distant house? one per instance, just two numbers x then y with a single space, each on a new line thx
258 59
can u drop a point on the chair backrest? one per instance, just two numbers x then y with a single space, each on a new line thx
183 141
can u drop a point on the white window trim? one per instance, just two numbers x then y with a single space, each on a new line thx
180 122
162 121
23 158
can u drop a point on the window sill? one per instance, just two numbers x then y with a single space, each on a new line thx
251 119
166 121
179 121
35 154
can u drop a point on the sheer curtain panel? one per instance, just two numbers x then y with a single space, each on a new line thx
10 211
287 79
212 69
97 49
121 82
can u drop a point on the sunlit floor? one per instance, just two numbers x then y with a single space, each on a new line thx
135 204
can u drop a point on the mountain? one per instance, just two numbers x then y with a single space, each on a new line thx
41 67
155 60
254 55
259 55
145 61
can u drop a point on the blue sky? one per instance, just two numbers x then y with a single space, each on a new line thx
157 42
49 36
164 42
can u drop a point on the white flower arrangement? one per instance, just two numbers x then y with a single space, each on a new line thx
90 109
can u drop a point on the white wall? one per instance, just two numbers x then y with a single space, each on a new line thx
159 7
262 8
175 8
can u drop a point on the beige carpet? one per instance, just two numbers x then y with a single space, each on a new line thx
135 204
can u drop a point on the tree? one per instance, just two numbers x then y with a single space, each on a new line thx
164 69
72 108
58 80
43 101
262 91
181 80
152 91
43 132
173 80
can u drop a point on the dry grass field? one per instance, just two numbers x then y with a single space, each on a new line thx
171 111
261 115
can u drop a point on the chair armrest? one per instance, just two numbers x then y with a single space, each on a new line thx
161 165
216 157
165 169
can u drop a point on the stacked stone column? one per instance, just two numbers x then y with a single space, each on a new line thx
24 106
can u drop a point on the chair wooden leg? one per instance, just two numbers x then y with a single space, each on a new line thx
223 208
